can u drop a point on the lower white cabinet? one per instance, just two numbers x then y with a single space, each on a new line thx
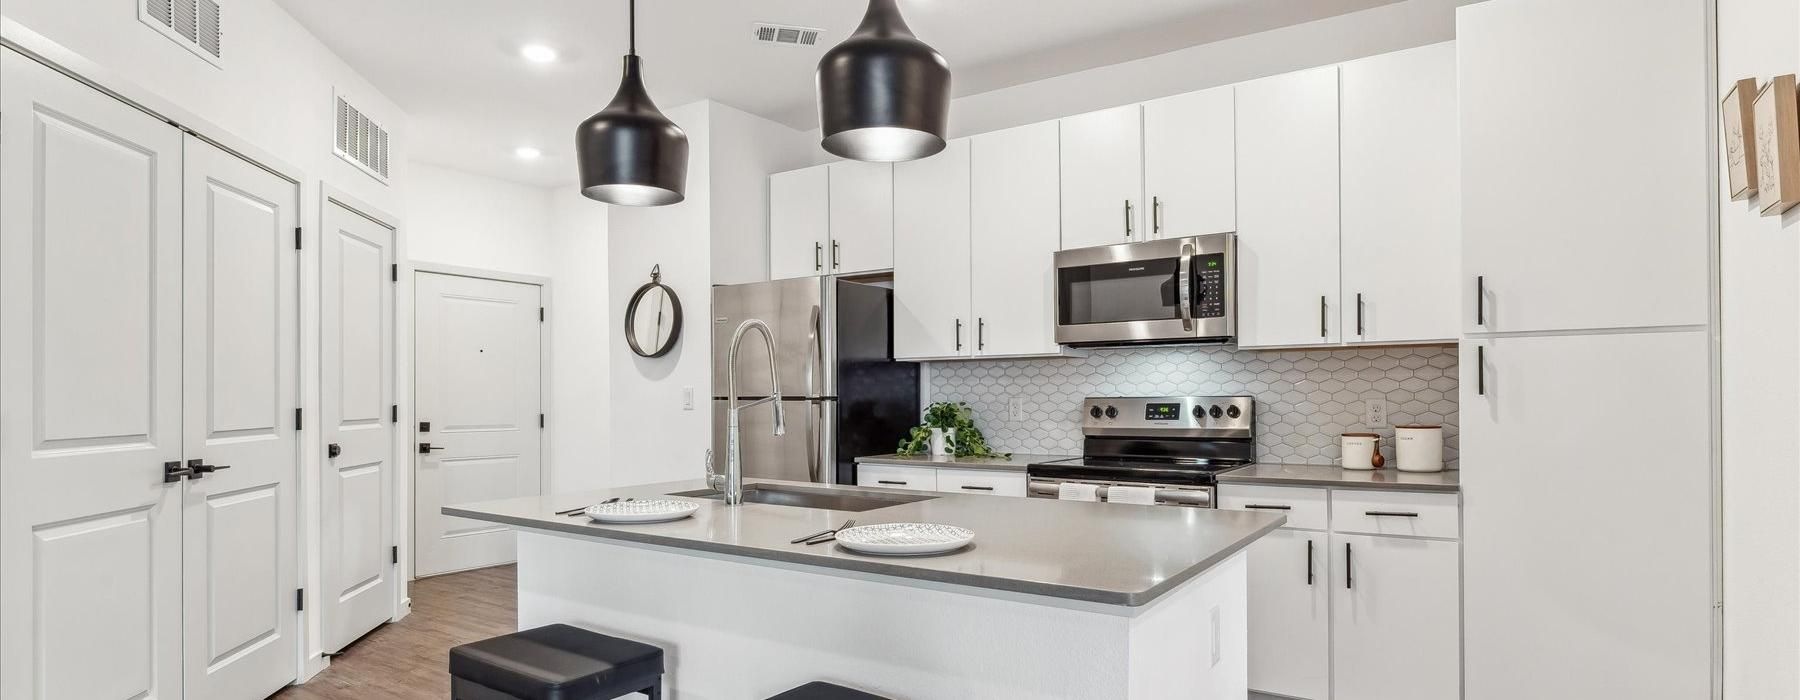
897 477
988 482
1394 618
1290 614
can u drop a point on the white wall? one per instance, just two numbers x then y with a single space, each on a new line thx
1760 361
581 338
459 218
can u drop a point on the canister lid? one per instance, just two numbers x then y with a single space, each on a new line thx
1418 427
1373 435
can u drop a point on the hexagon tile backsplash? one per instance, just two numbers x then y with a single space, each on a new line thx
1304 398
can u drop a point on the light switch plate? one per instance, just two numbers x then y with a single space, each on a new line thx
687 398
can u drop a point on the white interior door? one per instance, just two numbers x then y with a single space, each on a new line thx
242 336
477 379
357 388
90 392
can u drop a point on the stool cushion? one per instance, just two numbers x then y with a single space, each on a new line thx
820 690
558 662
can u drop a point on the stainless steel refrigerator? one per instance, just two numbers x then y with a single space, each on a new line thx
843 393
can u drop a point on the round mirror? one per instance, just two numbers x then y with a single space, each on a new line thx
653 319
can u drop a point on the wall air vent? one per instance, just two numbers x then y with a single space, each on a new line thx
194 24
786 34
361 141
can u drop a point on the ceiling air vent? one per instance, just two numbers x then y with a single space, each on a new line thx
786 34
194 24
361 141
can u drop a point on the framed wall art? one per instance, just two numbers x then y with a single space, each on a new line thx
1740 138
1777 146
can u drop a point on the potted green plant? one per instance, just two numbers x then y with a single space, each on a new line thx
948 429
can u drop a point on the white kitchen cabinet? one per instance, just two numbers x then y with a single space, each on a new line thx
1287 209
1102 166
1190 170
862 217
1401 208
1584 208
895 476
1014 237
1585 517
799 222
1394 627
1290 614
931 255
985 482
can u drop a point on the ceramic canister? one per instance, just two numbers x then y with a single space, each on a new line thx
1419 448
1361 450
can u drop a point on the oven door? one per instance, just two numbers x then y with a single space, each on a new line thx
1164 291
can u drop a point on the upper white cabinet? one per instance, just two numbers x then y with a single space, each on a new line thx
1013 193
931 254
1401 206
1287 209
799 222
1584 207
862 217
1190 172
1102 165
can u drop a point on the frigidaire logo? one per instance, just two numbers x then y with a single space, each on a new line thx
1134 269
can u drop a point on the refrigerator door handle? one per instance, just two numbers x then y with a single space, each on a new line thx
814 356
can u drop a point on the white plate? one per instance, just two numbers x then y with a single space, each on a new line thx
642 510
905 538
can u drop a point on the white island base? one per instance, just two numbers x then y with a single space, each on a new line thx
741 628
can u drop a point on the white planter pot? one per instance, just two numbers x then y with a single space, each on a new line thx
942 442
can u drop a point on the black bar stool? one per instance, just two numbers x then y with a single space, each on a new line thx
820 690
555 662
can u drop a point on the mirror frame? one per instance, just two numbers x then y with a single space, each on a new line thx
631 315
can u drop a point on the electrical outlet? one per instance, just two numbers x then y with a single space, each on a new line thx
687 398
1375 413
1015 410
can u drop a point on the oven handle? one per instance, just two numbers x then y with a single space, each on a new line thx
1193 497
1184 269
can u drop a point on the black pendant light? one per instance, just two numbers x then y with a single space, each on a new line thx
630 153
883 94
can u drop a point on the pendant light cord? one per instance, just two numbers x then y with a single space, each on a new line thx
632 33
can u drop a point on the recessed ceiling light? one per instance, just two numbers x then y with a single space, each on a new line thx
538 53
527 153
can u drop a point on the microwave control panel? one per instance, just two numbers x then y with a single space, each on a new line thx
1209 285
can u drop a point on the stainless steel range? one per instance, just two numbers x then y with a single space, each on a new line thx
1175 444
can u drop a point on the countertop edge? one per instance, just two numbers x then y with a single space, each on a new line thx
1130 599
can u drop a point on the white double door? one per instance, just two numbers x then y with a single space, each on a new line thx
478 386
148 387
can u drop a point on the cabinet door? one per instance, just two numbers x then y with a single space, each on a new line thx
1190 170
1013 195
1287 168
1584 207
1102 177
1401 213
1290 615
931 255
862 216
1394 629
1610 553
799 220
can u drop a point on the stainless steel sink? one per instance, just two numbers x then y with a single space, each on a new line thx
828 499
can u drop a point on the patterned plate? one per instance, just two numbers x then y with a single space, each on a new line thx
905 538
642 510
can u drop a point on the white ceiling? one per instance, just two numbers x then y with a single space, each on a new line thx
454 65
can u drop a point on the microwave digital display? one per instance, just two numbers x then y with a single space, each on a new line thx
1162 411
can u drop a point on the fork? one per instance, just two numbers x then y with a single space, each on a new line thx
830 535
577 511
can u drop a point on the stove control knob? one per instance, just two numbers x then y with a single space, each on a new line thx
1216 412
1112 412
1233 411
1095 412
1199 413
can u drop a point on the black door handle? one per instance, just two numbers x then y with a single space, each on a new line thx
425 448
1347 566
173 472
332 450
200 470
1309 562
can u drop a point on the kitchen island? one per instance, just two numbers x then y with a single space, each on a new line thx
1053 599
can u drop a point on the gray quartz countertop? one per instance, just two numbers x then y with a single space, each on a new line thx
1014 462
1107 553
1341 478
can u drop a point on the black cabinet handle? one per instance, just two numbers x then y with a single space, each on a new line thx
173 472
818 256
1481 370
1127 219
834 254
979 488
1323 333
1359 313
981 334
1389 513
1347 567
959 334
1260 506
1309 562
1155 215
885 481
1480 304
201 470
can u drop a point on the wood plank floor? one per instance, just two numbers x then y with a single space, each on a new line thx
409 659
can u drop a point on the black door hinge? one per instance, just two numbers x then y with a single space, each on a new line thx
299 599
396 554
296 238
540 420
395 413
394 271
298 423
540 314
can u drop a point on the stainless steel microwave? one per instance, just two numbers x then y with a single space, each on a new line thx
1159 292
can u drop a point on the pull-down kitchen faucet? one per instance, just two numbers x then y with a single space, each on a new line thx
734 458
